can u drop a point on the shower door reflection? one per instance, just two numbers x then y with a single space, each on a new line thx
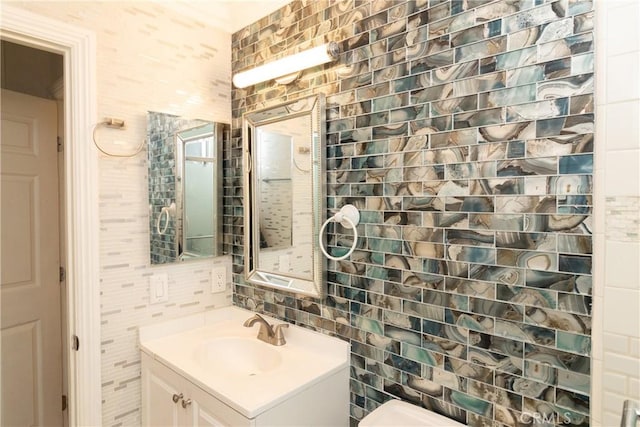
198 232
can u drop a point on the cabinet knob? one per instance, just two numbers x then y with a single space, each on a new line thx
177 397
186 403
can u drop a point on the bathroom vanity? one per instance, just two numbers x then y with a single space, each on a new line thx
210 370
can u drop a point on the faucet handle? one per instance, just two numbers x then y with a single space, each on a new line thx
280 335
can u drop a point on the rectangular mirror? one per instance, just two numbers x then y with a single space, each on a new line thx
284 195
185 187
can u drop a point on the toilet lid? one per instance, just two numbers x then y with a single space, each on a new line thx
396 413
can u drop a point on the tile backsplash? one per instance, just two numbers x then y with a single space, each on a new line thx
463 131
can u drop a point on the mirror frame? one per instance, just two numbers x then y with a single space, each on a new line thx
313 106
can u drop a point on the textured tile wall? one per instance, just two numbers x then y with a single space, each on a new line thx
463 131
162 158
147 59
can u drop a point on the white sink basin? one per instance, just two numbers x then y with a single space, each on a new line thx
238 356
214 351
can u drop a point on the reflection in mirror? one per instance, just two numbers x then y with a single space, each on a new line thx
185 187
275 181
284 195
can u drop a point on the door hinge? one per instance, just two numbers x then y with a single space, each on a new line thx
76 343
63 274
60 146
64 402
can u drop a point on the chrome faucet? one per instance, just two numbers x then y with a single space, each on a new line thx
267 333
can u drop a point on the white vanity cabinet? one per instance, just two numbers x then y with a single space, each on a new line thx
169 399
207 369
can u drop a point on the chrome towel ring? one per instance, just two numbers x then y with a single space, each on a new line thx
349 217
114 123
167 211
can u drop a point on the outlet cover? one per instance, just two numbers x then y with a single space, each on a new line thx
158 288
218 279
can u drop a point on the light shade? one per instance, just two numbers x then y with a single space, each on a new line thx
287 65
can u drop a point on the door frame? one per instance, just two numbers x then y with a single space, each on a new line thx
78 48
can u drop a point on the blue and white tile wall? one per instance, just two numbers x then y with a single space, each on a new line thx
463 131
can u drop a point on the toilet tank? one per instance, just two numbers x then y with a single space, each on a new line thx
396 413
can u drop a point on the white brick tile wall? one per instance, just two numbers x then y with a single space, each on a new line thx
616 358
620 307
634 346
622 364
615 343
614 382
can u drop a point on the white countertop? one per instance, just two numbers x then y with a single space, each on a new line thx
306 358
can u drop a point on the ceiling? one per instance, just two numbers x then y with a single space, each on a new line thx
229 15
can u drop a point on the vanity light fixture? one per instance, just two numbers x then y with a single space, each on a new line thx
288 65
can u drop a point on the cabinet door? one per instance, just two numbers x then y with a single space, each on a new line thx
202 417
159 385
194 407
207 411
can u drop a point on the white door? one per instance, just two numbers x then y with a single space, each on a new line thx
31 355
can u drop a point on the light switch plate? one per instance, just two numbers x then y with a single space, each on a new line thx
158 288
218 279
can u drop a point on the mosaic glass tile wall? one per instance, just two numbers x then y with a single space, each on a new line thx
162 176
463 131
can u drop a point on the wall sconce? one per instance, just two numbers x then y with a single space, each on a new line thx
289 65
